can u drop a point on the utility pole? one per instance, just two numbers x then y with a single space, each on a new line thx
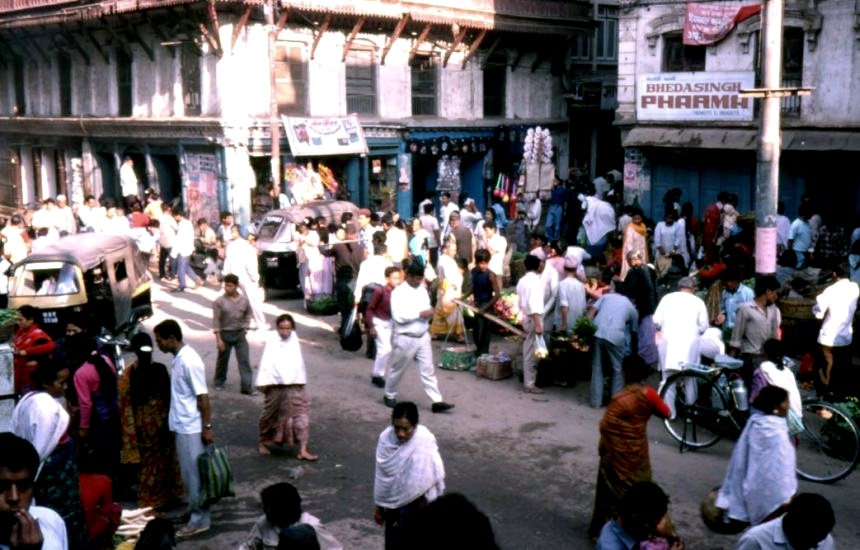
274 119
769 143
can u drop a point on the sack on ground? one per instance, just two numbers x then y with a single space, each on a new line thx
216 475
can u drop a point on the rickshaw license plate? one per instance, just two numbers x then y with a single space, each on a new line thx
271 262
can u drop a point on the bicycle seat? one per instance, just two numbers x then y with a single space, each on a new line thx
728 362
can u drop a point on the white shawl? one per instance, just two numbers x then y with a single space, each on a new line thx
282 363
407 471
599 219
41 420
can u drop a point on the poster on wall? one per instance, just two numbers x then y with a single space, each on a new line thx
404 174
320 136
449 174
201 173
701 96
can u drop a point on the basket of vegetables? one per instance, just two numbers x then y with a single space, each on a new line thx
322 304
8 318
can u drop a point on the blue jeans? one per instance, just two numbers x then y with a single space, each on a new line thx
553 222
605 350
183 269
188 448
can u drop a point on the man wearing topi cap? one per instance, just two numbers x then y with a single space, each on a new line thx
681 317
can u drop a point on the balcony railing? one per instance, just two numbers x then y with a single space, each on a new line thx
790 105
19 5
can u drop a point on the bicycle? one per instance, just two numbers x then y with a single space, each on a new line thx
707 410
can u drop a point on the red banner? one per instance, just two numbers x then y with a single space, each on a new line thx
706 24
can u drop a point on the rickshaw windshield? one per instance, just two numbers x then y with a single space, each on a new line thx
269 228
46 279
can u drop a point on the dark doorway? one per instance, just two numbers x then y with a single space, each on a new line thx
168 177
106 175
123 82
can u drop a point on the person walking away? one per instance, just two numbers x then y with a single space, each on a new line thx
166 237
183 248
190 418
807 523
144 399
377 318
282 376
571 296
282 510
409 474
555 214
800 235
549 278
624 455
486 290
711 228
761 478
598 221
617 324
240 259
635 240
836 306
680 318
41 418
431 226
348 256
411 313
25 525
530 292
463 237
231 317
640 285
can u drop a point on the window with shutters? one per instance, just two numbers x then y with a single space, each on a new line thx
495 80
291 78
680 58
361 82
606 47
424 86
190 62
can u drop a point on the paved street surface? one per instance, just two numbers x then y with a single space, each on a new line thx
529 462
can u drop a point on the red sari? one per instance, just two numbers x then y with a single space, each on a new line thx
624 456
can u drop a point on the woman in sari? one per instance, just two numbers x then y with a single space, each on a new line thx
98 402
41 418
761 479
624 457
144 400
409 474
447 319
635 240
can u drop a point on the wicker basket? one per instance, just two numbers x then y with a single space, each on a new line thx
493 367
459 358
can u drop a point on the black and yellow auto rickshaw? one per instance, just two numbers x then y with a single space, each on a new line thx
93 280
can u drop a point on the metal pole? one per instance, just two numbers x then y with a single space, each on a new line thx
769 140
274 119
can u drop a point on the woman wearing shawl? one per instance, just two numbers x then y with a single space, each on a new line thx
319 279
99 424
635 240
761 478
41 418
409 474
144 400
282 377
624 456
447 320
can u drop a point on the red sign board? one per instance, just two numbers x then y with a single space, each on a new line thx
706 24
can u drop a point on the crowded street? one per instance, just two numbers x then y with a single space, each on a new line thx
527 461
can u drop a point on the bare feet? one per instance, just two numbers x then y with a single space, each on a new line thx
263 450
533 389
305 455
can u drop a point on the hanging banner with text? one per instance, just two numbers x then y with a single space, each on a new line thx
706 24
702 96
320 136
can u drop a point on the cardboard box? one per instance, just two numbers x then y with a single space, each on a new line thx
493 367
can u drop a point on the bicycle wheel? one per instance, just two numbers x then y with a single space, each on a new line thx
697 415
829 445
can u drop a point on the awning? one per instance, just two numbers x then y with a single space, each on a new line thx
740 138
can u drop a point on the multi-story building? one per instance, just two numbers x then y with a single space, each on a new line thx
182 87
685 125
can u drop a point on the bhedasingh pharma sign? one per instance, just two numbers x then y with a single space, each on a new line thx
698 96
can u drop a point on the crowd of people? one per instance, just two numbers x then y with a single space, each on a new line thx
407 281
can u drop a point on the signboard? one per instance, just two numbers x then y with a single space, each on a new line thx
706 24
699 96
201 173
320 136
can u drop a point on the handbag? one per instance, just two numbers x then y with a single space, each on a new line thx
216 475
350 333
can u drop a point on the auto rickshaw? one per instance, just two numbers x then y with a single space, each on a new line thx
95 281
277 239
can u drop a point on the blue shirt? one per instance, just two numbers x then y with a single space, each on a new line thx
559 195
616 318
733 300
613 537
501 217
801 235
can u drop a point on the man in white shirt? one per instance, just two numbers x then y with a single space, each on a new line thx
240 259
65 216
128 180
183 247
783 228
431 226
411 313
23 525
396 239
530 290
447 207
571 295
806 524
497 246
835 306
190 418
668 237
469 215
